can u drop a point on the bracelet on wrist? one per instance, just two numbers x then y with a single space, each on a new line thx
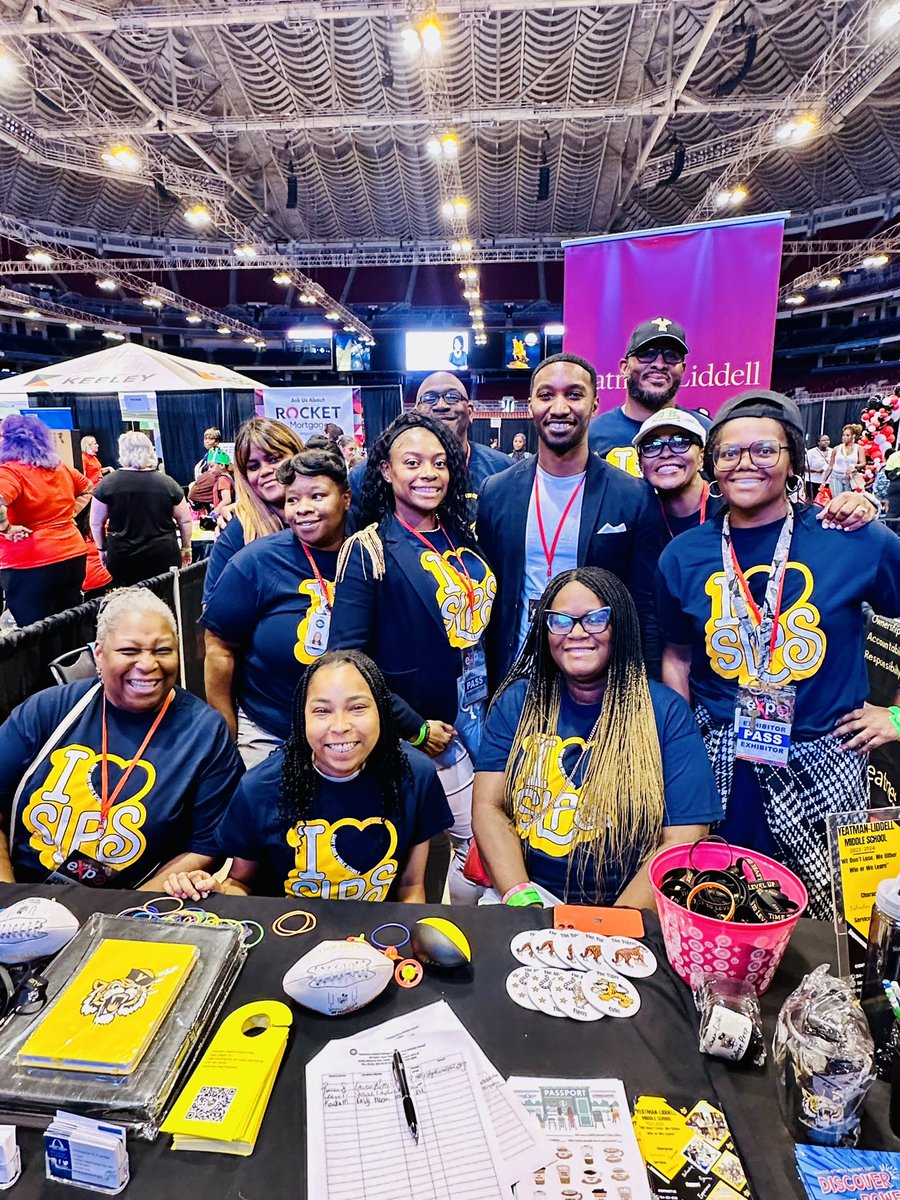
894 714
421 736
523 896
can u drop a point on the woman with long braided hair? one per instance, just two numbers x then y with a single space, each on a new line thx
586 767
342 811
413 591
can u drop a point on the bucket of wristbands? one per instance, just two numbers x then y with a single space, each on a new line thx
700 937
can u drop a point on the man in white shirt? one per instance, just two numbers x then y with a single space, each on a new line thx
816 465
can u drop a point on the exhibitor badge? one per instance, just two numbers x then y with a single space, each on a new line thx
763 717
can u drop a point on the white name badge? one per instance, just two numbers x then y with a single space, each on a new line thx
473 683
763 717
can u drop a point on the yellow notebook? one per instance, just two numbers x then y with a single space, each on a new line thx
107 1016
223 1103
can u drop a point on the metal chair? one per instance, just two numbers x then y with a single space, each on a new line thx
74 665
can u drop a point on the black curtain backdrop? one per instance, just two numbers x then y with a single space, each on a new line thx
100 415
183 416
237 408
380 406
839 412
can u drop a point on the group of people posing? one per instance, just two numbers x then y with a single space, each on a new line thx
640 632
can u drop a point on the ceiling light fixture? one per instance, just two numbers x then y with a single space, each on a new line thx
74 326
40 258
31 314
106 284
152 302
122 158
245 251
224 330
197 216
830 283
331 315
9 68
731 197
797 130
797 298
873 261
194 319
430 35
282 277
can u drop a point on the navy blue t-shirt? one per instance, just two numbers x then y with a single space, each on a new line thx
226 545
610 435
172 803
820 644
347 850
547 803
269 605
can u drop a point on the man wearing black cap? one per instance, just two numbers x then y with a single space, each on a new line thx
653 368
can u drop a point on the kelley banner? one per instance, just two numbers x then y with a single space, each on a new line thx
719 280
307 410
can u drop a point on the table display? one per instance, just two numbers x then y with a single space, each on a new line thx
655 1053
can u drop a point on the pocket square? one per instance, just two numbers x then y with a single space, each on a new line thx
607 528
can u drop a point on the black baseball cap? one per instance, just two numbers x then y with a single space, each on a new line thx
760 404
660 329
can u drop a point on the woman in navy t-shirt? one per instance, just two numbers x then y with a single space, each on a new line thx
414 592
761 612
343 811
269 616
586 767
260 447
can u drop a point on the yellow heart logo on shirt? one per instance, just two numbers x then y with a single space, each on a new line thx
320 870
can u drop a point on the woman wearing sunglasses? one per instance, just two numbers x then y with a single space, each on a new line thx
761 613
586 767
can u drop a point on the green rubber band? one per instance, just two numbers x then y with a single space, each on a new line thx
423 734
525 899
894 714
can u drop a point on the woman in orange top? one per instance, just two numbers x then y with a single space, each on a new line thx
42 554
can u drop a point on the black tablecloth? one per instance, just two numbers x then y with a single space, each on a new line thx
654 1053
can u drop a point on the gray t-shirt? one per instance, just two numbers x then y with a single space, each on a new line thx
556 492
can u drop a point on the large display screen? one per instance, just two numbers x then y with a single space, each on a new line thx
447 350
312 345
351 353
523 350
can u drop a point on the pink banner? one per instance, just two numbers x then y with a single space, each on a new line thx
718 280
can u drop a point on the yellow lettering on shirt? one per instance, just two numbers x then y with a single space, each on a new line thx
312 631
625 458
545 798
319 871
464 623
800 644
62 815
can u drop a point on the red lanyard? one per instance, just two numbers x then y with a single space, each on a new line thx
107 801
754 607
548 554
703 498
328 595
463 578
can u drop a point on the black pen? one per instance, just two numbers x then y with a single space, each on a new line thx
409 1109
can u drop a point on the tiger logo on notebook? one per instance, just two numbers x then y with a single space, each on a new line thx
113 998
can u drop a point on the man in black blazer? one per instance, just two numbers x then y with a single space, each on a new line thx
561 509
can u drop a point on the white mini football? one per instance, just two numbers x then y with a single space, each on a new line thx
338 977
34 928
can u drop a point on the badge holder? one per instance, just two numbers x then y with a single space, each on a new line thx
763 717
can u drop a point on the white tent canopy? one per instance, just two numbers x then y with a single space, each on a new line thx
127 368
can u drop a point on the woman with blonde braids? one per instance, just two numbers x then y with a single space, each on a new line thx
260 447
586 767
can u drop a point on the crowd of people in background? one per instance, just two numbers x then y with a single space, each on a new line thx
540 657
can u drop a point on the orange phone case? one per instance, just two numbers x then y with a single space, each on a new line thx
625 922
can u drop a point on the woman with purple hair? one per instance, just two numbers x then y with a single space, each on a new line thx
42 554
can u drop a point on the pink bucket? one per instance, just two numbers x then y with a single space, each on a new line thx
750 952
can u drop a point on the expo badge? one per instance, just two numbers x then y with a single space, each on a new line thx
763 717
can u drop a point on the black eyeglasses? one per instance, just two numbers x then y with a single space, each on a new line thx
650 354
678 443
429 399
594 621
762 454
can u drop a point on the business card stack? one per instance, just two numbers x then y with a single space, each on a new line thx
86 1154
